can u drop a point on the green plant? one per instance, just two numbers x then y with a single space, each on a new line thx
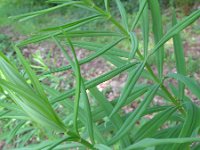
90 121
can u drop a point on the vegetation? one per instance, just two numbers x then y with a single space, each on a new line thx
35 115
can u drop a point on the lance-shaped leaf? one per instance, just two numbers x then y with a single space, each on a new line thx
123 14
145 26
158 33
130 83
107 107
190 83
31 74
74 24
179 55
34 106
94 82
134 45
190 124
131 120
139 13
26 16
176 29
150 127
151 142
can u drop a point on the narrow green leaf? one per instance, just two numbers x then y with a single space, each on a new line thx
123 14
134 45
130 83
102 147
27 16
150 127
176 29
95 82
84 96
148 142
74 24
131 120
92 46
14 131
145 27
139 13
158 33
179 55
90 33
191 84
76 70
32 76
98 53
106 3
34 106
190 124
107 107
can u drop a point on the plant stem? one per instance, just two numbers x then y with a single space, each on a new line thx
109 16
173 99
77 138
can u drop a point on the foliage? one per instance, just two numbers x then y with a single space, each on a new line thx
48 119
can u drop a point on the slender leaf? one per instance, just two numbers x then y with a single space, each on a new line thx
148 142
179 55
130 83
191 84
150 127
26 16
145 26
131 120
123 14
134 45
158 33
139 13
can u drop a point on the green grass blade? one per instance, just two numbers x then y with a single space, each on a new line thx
131 120
130 83
151 142
139 13
145 27
179 55
123 14
158 33
191 84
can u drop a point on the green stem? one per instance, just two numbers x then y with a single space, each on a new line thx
78 139
173 99
108 15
